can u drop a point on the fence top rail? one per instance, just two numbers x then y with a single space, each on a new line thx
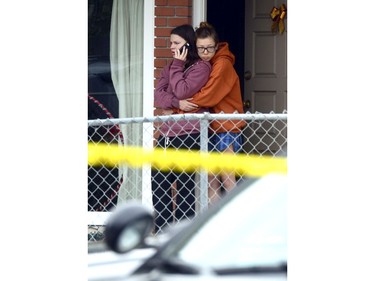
190 116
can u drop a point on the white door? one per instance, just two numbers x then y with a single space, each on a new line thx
265 78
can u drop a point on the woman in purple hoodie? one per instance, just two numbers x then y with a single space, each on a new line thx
182 78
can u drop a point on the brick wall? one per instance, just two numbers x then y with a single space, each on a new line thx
168 14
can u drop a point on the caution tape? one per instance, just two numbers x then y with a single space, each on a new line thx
185 160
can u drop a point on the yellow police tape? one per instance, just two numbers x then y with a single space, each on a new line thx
185 160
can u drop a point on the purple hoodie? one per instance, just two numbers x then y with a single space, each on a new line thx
175 82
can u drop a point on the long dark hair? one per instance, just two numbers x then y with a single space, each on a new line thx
186 31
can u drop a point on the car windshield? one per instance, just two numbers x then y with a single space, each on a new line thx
249 231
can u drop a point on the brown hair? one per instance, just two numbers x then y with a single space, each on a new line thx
206 30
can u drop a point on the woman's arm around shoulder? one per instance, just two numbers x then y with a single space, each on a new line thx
222 79
186 83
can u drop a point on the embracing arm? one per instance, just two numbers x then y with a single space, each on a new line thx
185 85
221 81
173 86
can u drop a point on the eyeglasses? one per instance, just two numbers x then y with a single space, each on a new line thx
208 49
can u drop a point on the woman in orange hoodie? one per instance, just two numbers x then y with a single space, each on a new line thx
222 94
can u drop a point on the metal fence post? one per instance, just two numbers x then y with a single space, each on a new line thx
203 180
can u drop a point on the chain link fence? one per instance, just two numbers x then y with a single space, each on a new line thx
263 134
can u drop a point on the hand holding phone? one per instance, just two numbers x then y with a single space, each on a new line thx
186 45
180 54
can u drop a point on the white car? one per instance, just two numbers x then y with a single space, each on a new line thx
242 237
105 265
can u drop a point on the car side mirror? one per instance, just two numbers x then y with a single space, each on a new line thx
127 227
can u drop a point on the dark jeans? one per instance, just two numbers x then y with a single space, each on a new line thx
162 181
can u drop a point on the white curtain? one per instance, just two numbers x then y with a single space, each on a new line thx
126 57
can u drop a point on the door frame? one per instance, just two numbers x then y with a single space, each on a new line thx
231 30
199 12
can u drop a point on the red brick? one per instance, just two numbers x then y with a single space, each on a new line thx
161 42
179 2
178 21
160 21
161 2
156 83
183 12
163 11
157 73
160 63
162 53
162 32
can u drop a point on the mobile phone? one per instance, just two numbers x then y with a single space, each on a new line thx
186 46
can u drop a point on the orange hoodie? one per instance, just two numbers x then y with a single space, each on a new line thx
222 92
